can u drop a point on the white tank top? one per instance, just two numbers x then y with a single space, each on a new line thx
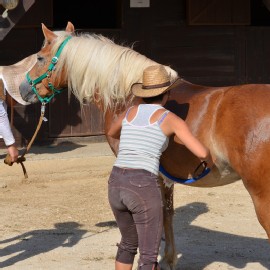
142 143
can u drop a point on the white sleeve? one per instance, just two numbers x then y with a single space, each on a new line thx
5 130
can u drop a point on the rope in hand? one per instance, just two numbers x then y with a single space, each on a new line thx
21 159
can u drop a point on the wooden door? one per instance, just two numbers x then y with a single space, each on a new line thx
68 118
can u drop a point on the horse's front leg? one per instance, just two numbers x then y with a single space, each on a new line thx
168 262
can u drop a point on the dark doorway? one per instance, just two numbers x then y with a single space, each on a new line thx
104 14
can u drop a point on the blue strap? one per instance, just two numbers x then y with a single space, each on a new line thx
183 181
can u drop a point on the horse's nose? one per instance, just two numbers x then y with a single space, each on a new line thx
26 92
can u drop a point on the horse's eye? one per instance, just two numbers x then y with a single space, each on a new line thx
39 58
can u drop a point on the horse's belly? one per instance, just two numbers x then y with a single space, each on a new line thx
217 177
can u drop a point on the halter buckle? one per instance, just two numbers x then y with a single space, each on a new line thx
54 60
43 108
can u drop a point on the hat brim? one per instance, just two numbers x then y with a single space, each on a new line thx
13 76
138 91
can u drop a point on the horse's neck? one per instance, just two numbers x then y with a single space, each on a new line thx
181 97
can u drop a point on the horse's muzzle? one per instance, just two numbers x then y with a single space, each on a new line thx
27 93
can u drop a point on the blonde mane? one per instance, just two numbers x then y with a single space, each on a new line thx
99 70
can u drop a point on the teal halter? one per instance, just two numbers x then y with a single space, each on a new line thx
47 74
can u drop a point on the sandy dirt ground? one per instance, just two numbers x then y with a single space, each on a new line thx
60 217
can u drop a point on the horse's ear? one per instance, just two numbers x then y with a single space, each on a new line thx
70 28
48 34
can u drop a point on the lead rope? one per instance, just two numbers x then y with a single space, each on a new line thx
21 159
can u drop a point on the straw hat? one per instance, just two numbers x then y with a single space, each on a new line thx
13 75
156 81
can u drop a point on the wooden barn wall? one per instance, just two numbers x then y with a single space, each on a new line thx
203 54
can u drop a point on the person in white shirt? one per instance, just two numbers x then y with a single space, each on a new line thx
133 187
10 79
5 129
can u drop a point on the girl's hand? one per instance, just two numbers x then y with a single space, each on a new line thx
13 152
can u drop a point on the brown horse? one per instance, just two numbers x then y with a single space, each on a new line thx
233 121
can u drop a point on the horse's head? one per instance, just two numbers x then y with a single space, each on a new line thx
41 82
91 66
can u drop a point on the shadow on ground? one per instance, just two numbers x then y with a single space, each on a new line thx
33 243
50 149
199 247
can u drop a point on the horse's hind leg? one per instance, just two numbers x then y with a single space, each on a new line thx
168 262
261 200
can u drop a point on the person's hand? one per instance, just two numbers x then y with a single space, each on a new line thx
210 161
13 152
